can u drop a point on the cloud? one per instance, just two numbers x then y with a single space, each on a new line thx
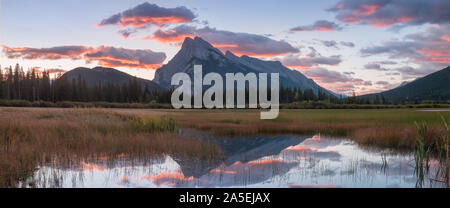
122 57
393 73
308 62
127 32
334 44
348 44
409 72
428 46
387 62
320 25
338 82
175 35
327 76
147 14
59 52
387 13
105 55
238 43
311 60
366 83
375 66
382 83
329 43
385 85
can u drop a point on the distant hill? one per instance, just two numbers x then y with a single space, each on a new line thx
435 86
107 75
198 51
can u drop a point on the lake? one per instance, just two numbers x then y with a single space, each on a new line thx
259 161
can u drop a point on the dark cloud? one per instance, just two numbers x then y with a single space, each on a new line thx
348 44
321 25
105 55
386 13
150 14
238 43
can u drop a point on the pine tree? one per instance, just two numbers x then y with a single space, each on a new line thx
9 84
33 85
1 83
16 83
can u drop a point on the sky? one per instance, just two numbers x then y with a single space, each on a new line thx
364 46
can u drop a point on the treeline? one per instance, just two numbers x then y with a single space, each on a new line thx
32 85
290 95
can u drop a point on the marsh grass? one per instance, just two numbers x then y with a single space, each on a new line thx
428 147
384 128
31 138
443 152
66 138
152 124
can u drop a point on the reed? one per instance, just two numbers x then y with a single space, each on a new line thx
436 146
443 151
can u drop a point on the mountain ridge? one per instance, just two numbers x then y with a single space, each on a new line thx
106 75
434 86
199 51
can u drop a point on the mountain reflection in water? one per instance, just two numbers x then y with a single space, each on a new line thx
282 161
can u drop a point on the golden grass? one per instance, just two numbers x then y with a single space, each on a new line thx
31 138
388 128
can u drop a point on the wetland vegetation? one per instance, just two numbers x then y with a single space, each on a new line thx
36 139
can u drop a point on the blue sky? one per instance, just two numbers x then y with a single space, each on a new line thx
385 49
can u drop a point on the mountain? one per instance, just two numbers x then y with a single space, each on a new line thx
198 51
435 86
106 75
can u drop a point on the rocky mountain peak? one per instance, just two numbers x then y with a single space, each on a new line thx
197 48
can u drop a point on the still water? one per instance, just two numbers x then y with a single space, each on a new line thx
284 161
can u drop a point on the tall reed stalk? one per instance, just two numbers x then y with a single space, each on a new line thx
436 146
422 154
443 172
